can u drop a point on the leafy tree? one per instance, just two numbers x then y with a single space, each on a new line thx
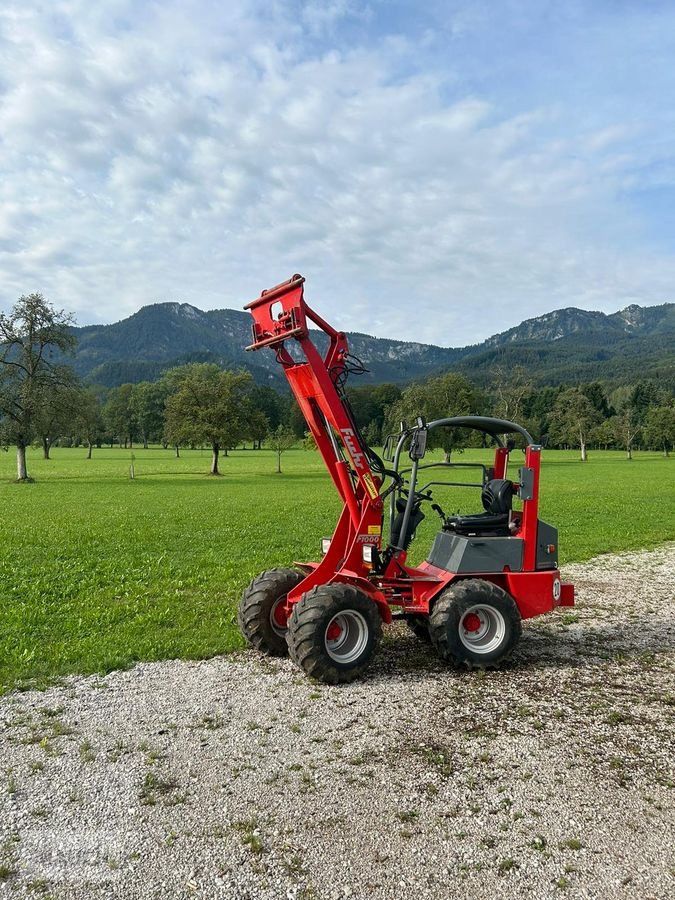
604 434
646 394
596 394
209 405
30 336
56 411
373 434
296 421
627 428
270 411
273 407
309 441
660 428
118 414
438 398
89 419
572 419
146 408
510 387
280 440
621 396
537 408
385 394
630 402
370 403
258 429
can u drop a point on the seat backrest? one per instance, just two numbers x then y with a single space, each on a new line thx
497 496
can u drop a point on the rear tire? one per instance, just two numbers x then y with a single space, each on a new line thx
476 624
258 605
333 632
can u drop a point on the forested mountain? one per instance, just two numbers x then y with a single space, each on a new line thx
569 346
565 346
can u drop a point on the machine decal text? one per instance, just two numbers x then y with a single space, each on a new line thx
352 447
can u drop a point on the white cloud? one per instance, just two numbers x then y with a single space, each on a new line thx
200 152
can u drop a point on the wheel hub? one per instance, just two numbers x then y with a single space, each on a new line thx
279 616
471 622
482 628
346 636
333 631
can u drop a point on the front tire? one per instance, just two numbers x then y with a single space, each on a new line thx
476 624
261 616
333 632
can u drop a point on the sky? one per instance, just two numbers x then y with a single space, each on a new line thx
438 171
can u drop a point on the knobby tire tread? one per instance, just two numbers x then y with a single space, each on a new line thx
465 593
305 634
255 605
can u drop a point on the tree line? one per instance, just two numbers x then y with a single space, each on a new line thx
639 415
42 402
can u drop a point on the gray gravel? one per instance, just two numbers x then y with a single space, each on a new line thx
239 778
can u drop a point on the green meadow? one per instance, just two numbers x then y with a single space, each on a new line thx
98 571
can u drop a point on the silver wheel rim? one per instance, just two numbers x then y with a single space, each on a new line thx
491 630
348 636
276 628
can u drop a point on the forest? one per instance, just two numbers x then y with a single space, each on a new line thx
201 404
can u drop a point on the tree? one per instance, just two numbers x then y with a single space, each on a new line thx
438 398
510 388
631 412
370 404
209 405
146 409
309 442
56 411
258 426
30 336
596 394
296 421
572 419
537 408
645 395
373 434
627 428
118 414
273 409
621 396
604 434
280 440
89 420
660 428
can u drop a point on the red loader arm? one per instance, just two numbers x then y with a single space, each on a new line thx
279 315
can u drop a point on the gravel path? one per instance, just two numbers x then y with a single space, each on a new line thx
239 778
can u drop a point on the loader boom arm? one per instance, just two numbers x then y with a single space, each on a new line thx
280 314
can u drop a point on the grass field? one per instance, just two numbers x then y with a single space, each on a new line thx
98 571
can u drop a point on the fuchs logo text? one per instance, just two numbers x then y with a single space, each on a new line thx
354 452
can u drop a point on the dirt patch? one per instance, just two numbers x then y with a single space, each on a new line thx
239 778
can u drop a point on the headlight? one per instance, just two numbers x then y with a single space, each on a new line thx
367 552
325 545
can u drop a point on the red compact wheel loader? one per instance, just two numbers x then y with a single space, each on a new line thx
484 573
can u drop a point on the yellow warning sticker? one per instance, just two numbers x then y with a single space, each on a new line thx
370 486
374 529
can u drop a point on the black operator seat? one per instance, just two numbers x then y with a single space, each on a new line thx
497 497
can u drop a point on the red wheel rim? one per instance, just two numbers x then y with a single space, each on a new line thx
279 616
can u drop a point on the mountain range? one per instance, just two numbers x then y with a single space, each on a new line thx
561 347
